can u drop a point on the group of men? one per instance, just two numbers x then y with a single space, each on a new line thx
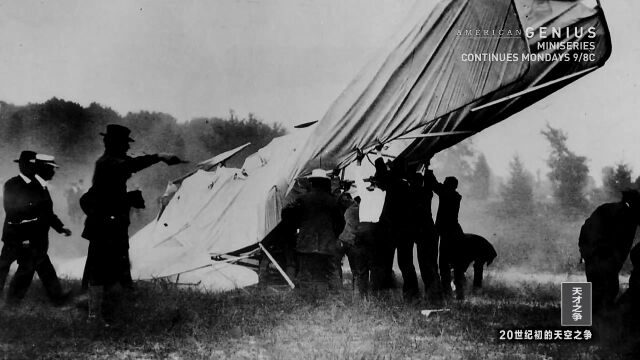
25 234
107 204
385 214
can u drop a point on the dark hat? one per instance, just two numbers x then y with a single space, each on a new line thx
631 196
118 132
451 181
26 156
45 159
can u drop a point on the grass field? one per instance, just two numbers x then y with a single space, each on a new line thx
264 323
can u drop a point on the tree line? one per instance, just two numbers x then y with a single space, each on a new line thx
71 132
568 185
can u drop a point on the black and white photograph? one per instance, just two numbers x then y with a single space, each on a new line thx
319 179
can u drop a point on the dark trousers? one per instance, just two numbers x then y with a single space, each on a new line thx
9 254
446 264
318 272
629 303
383 252
602 272
363 257
478 269
384 249
32 259
450 241
348 250
427 248
406 240
108 266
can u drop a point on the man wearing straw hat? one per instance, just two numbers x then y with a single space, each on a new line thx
34 235
319 221
19 211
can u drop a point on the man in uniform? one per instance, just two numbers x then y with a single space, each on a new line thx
18 212
605 241
35 202
107 205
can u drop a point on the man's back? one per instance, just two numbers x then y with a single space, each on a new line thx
320 222
448 208
608 231
477 249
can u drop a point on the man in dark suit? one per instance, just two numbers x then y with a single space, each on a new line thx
19 212
451 235
605 241
427 240
34 234
107 205
400 216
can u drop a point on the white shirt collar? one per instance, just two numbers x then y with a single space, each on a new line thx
25 178
41 181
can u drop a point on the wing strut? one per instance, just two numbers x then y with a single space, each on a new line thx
535 88
275 263
434 134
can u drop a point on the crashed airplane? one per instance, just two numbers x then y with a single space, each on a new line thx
421 94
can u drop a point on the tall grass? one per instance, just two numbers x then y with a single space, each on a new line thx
165 322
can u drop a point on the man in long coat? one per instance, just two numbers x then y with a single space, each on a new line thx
107 205
31 216
318 217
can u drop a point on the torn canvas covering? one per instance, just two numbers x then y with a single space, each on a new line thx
217 212
421 75
544 77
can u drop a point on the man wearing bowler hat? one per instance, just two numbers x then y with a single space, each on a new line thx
107 205
33 232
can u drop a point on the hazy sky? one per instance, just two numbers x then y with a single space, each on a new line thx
285 61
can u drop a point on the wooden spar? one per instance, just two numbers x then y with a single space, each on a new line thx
273 261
